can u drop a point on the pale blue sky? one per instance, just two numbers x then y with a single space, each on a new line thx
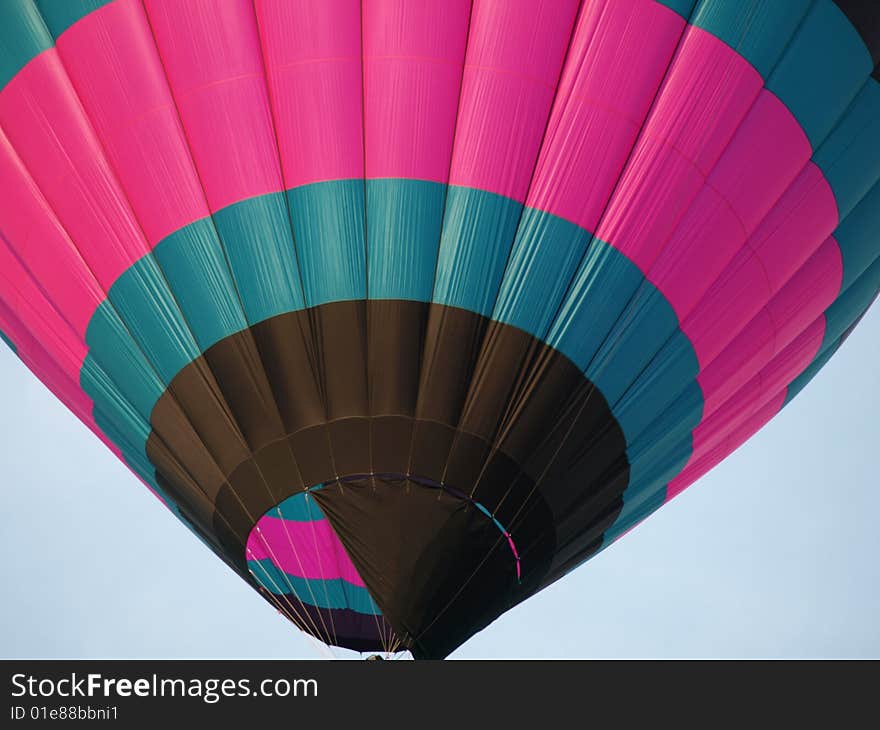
776 553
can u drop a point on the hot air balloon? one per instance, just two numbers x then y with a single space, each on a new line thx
407 308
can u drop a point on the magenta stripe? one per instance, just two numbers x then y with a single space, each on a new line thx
37 317
413 60
808 294
515 554
641 27
794 358
312 51
36 249
211 53
706 94
765 155
304 549
515 54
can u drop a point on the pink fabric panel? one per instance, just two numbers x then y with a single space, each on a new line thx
707 92
794 308
111 57
643 213
46 124
211 52
24 303
619 54
305 549
738 363
701 465
413 61
799 223
808 293
312 51
730 303
515 55
703 243
39 253
764 156
805 216
739 410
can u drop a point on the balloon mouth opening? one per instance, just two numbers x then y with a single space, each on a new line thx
434 484
299 563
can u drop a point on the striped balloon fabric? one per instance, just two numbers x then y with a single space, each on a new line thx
406 308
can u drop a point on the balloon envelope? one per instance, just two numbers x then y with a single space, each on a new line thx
406 308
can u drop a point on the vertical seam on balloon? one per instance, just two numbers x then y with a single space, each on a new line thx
309 337
512 520
366 250
366 253
562 65
515 402
313 353
446 186
316 365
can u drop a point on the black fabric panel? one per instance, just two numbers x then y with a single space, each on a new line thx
399 388
865 17
438 568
